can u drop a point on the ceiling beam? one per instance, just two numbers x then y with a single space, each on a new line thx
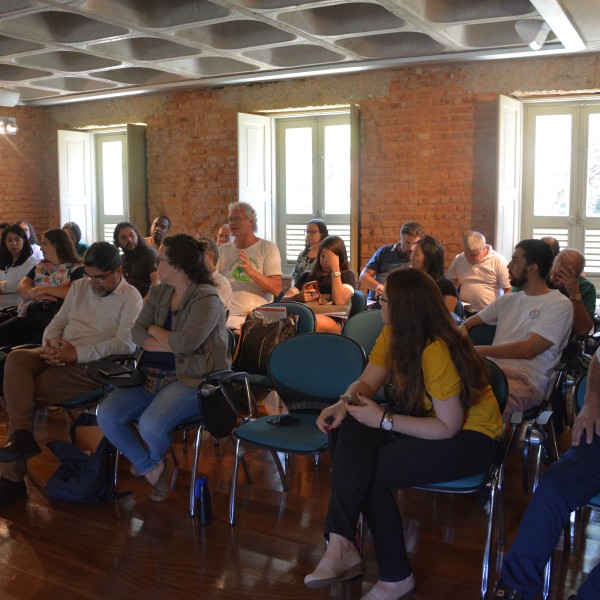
559 21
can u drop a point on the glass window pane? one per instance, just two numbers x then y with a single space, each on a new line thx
336 165
112 177
593 167
298 171
552 180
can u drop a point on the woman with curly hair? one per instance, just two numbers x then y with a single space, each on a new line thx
183 335
439 424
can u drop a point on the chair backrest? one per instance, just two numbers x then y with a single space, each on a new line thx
459 309
358 303
579 394
311 371
498 382
364 328
306 317
482 335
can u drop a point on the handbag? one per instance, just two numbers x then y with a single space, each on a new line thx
41 312
156 379
84 472
258 337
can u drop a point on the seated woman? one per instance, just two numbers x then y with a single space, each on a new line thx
49 281
428 256
329 280
183 335
74 232
440 424
316 231
16 260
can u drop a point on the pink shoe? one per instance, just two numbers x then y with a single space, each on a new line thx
348 567
404 587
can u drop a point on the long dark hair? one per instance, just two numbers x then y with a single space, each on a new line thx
187 253
6 259
337 246
32 234
418 317
62 241
434 256
323 232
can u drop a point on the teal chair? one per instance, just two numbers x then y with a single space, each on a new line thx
492 478
482 335
358 303
364 328
309 372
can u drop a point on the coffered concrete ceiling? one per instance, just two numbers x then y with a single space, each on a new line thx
55 51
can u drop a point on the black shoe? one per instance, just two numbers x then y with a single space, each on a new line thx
505 592
11 490
20 446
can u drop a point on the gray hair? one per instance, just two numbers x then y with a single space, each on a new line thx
211 246
474 241
248 211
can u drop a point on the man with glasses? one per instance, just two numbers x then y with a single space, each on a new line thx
390 257
250 264
138 258
224 235
95 321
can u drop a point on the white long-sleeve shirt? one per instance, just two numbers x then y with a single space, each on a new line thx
97 327
10 279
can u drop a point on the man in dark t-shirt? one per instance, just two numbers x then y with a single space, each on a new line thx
139 261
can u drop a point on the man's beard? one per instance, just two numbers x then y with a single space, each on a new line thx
518 281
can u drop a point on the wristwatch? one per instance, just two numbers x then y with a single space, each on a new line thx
336 273
575 298
387 421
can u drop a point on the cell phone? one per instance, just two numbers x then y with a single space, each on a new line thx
352 400
312 287
115 371
282 420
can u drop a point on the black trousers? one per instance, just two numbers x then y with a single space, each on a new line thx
369 464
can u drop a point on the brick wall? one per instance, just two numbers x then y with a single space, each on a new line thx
428 143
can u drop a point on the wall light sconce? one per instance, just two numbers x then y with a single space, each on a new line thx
8 126
533 32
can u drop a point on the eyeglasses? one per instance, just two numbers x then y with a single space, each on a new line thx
224 237
159 260
311 231
98 278
235 219
382 299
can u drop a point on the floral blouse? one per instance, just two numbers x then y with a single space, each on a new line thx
46 273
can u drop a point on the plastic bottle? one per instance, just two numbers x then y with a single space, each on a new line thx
203 506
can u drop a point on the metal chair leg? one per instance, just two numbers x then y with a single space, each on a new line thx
236 462
194 473
284 483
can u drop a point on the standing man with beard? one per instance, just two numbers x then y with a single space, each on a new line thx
158 232
94 321
532 327
139 261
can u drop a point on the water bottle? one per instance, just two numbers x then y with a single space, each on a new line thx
203 507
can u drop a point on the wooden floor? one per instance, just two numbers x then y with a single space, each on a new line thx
136 548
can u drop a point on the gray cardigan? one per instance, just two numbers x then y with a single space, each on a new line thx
199 338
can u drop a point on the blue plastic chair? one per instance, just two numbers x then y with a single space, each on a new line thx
358 303
309 372
364 328
482 335
493 478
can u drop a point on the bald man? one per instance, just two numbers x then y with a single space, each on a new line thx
566 277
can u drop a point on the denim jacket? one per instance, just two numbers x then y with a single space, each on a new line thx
199 338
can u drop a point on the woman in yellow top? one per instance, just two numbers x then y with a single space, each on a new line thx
440 424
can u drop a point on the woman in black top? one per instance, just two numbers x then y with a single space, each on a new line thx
428 256
330 283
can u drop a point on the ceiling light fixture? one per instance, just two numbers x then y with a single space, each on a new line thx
532 32
560 22
8 126
9 98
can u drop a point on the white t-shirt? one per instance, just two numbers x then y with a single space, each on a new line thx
223 289
10 279
516 315
247 294
481 283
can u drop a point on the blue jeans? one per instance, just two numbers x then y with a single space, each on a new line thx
570 483
157 416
